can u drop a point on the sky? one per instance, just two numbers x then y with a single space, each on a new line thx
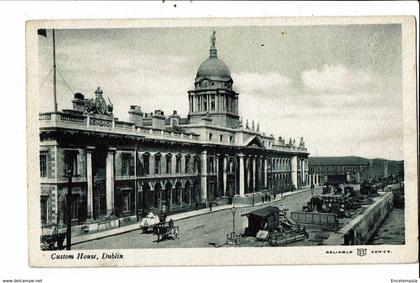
339 87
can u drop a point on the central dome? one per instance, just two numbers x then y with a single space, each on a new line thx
213 67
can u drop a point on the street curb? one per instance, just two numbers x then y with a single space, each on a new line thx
136 226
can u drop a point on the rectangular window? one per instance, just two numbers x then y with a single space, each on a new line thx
227 104
211 165
195 165
178 164
187 164
210 136
221 138
43 165
168 164
125 168
44 209
157 164
205 103
70 162
213 103
75 207
231 139
146 164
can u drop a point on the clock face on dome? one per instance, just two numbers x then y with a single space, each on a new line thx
205 83
100 104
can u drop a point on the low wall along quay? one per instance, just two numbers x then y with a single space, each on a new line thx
361 229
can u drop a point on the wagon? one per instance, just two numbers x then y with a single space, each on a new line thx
147 223
166 230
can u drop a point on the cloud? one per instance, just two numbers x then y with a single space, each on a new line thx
334 78
258 82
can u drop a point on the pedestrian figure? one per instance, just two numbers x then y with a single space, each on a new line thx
262 199
210 205
275 196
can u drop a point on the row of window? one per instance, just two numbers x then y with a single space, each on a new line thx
70 164
336 168
191 164
128 167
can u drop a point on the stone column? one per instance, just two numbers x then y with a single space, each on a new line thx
180 194
203 159
225 170
89 179
302 171
216 159
169 194
109 183
254 172
152 164
182 169
265 172
294 171
248 172
358 177
241 175
173 164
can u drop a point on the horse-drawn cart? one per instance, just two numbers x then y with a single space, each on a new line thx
166 230
148 223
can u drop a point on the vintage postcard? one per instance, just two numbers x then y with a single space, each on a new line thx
241 141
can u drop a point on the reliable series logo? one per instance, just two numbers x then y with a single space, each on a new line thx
361 252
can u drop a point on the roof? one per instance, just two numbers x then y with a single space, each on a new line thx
339 160
264 212
213 67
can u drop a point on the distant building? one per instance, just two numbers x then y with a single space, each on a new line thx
353 169
122 170
336 169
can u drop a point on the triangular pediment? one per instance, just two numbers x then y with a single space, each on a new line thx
254 142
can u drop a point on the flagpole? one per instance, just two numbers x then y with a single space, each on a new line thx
55 74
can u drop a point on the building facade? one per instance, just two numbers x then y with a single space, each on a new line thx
337 170
122 170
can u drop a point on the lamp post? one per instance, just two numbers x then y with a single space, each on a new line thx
233 220
68 207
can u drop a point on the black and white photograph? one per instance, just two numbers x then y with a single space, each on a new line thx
223 137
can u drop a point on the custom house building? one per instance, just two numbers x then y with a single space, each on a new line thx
121 170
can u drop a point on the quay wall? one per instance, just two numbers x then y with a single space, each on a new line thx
361 229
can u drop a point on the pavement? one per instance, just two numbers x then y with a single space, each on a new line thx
177 217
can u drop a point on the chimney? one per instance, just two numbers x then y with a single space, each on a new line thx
158 120
78 102
174 118
135 115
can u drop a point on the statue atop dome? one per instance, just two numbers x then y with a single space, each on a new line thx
213 40
213 50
